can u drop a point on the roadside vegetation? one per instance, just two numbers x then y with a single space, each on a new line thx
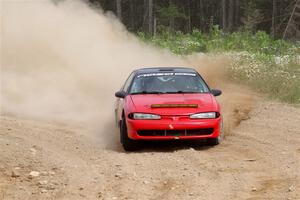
269 66
244 30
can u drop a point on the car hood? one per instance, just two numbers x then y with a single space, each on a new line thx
172 104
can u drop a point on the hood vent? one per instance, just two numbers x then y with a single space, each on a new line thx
174 106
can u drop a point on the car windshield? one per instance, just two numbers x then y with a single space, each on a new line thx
157 83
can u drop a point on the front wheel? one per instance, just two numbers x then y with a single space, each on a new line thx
128 144
216 141
212 141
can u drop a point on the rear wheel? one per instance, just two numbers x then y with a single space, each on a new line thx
216 141
128 144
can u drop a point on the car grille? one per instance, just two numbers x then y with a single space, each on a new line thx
188 132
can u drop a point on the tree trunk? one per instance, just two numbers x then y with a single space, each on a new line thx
171 20
237 13
274 15
231 15
145 17
201 8
131 7
150 17
119 9
154 25
224 14
189 26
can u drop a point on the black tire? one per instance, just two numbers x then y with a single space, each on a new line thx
212 141
216 141
128 144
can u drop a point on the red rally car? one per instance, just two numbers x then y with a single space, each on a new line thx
167 103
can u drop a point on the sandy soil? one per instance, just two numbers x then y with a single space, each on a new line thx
65 60
260 159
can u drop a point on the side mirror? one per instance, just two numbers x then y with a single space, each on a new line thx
120 94
216 92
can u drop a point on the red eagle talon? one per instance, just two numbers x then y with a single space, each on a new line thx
152 99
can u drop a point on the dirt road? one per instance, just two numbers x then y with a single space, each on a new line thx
259 160
63 61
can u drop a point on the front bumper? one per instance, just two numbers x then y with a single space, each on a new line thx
167 127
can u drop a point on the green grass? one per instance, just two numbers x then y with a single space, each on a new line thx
269 66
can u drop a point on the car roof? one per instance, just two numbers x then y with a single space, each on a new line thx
163 69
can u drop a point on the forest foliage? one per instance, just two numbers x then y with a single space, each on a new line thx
268 65
279 18
261 36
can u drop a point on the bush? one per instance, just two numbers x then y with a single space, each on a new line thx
270 66
278 77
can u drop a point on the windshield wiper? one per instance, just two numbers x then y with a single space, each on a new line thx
148 92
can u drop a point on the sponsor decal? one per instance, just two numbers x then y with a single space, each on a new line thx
167 74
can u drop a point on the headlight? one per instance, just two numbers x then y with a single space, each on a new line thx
143 116
207 115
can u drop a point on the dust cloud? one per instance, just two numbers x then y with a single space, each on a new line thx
63 62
